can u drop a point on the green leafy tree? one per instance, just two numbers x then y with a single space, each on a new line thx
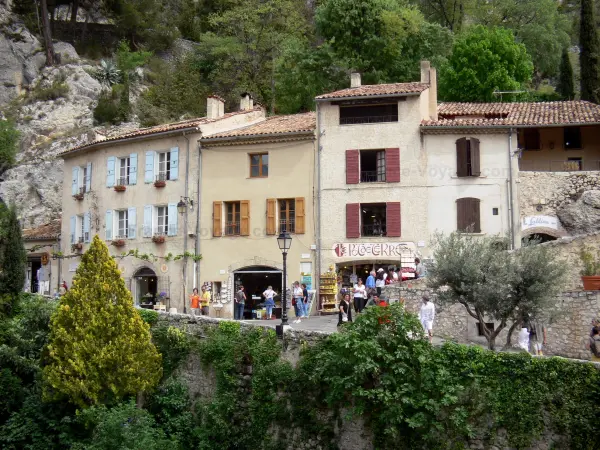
566 87
589 56
12 258
100 349
9 144
483 61
492 283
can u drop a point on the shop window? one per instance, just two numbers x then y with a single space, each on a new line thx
287 215
467 157
572 138
373 221
259 165
468 218
372 166
574 164
369 114
232 218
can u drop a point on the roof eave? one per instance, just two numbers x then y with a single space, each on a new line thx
458 127
362 97
307 133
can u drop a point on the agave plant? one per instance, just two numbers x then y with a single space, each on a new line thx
107 73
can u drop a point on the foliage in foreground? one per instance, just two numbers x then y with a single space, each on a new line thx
12 258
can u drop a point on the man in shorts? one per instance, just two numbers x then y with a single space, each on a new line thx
426 316
537 336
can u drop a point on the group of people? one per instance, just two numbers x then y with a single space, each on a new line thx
199 303
299 300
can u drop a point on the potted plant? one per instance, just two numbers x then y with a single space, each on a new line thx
590 274
158 239
76 247
160 183
120 188
118 242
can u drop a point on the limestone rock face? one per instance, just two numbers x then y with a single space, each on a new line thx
583 215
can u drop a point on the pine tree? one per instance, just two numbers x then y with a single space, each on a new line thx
12 257
99 349
565 87
590 52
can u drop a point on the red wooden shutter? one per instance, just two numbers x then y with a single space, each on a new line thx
353 220
352 166
461 158
392 219
392 165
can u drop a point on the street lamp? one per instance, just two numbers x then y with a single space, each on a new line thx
183 203
284 241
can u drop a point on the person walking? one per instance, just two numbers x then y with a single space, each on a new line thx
537 336
345 312
205 301
305 301
420 271
595 344
240 304
379 280
370 284
426 316
269 296
360 293
298 302
195 302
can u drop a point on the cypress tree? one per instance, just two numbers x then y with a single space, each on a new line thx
99 348
590 51
565 87
12 257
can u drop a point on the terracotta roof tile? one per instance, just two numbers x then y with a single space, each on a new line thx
142 132
296 123
377 89
515 114
50 230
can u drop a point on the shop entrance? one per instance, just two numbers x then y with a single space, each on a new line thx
145 287
256 279
32 283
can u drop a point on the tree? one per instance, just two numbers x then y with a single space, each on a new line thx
9 144
12 257
49 46
589 54
483 61
566 87
99 349
493 283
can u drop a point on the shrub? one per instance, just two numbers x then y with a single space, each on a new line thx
173 344
107 73
9 144
149 316
56 90
108 108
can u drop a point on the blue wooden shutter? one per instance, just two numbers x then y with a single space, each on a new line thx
109 225
74 185
148 221
88 180
133 168
110 171
172 219
73 225
174 163
86 227
149 173
132 221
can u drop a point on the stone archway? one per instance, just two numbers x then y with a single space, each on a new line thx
541 234
248 262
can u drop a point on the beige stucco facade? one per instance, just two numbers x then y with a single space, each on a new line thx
39 254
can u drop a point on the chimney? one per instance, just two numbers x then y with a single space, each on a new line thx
215 107
425 66
355 80
433 113
246 103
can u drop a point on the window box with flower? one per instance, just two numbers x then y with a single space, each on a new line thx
118 242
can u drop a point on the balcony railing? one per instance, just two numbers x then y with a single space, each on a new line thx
374 230
559 165
287 225
122 235
369 119
123 181
370 176
163 176
232 229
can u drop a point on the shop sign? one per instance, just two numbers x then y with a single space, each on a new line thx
373 250
539 221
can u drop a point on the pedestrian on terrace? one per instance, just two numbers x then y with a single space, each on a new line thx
345 311
426 316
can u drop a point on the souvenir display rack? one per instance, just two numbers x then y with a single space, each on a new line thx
328 292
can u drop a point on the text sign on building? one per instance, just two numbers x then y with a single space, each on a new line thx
374 250
539 221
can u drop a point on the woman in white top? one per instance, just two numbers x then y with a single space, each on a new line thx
360 293
299 302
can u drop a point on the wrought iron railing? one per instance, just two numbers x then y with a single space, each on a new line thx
163 176
369 119
123 181
232 228
374 230
370 176
287 225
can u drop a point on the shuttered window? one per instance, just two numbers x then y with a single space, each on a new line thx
245 218
353 220
392 218
467 157
392 165
217 219
467 215
352 166
271 206
300 215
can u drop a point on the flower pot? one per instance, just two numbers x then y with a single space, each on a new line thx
78 197
76 247
160 184
591 283
158 239
120 188
118 243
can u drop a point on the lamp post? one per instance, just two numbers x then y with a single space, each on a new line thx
284 241
182 208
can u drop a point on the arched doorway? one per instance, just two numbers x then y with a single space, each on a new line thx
255 280
539 235
144 286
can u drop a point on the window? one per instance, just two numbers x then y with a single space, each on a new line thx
373 219
369 113
259 165
467 211
83 180
122 224
287 215
162 221
124 169
372 166
80 229
467 157
572 137
530 139
164 166
574 164
232 218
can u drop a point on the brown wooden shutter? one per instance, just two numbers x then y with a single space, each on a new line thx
393 219
244 218
353 220
468 215
217 219
300 215
392 165
352 166
461 158
271 210
475 164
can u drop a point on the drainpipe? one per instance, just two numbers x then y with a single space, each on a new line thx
317 277
185 221
198 202
511 223
59 265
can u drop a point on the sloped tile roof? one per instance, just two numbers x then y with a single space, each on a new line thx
541 114
50 230
143 132
374 90
295 123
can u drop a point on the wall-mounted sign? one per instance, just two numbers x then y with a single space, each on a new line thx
164 268
45 258
539 221
305 256
373 250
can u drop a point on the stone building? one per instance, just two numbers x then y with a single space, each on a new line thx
43 274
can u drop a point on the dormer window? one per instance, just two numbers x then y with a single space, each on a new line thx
369 113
